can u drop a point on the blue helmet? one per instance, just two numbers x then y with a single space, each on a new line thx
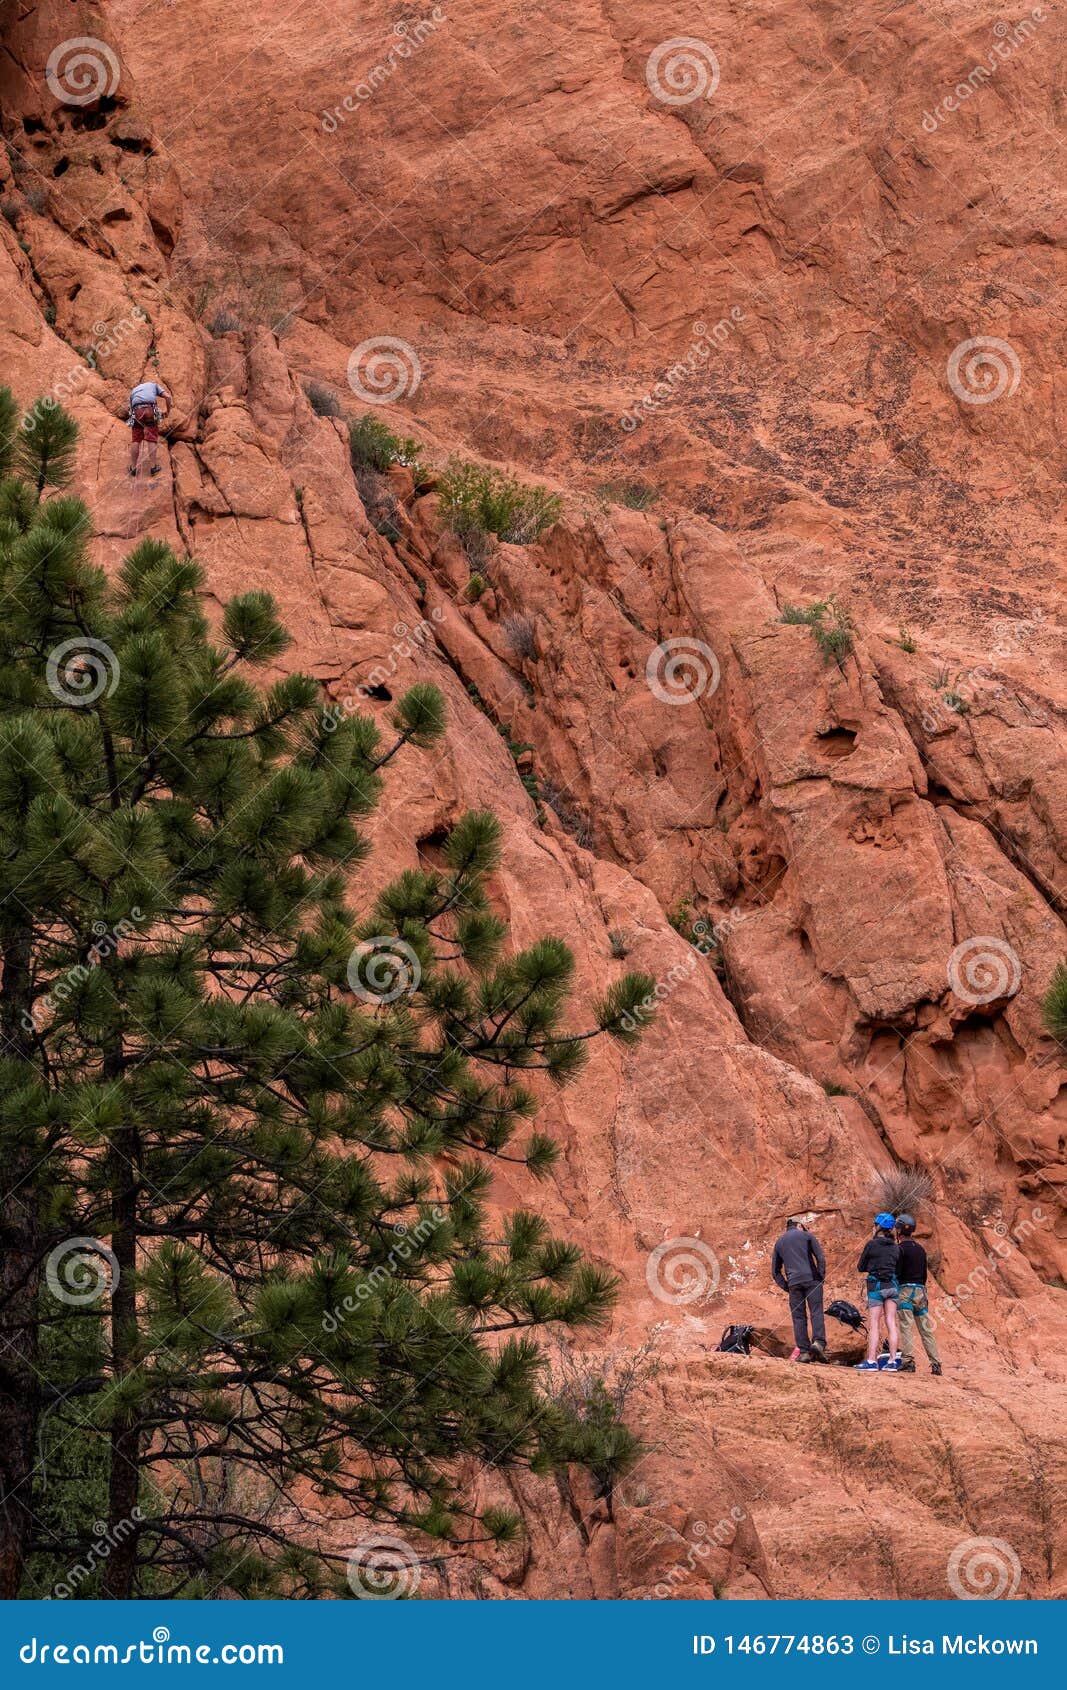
885 1221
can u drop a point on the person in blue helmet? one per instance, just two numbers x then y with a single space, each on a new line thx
880 1261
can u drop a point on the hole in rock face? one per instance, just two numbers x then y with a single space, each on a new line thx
837 742
62 167
120 214
431 848
382 694
33 125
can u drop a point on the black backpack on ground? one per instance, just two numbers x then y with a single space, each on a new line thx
847 1313
735 1340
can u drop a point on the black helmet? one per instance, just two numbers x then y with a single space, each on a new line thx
906 1223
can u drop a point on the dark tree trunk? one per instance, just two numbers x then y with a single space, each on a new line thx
125 1473
20 1276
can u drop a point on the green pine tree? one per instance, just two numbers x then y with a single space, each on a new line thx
45 446
252 1132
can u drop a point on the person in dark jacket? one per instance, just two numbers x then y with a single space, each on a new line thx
880 1261
799 1267
913 1305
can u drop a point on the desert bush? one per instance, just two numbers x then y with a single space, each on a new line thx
634 495
570 819
372 445
520 633
224 322
902 1190
475 587
481 504
620 943
9 210
36 199
1054 1005
830 624
322 399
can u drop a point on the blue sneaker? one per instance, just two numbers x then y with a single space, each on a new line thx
867 1367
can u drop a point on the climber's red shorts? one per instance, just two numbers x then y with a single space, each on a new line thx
145 431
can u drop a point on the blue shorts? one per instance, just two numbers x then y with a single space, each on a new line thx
881 1291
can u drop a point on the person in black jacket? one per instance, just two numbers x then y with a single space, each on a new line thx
913 1305
880 1261
799 1267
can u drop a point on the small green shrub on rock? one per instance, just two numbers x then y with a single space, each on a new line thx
480 503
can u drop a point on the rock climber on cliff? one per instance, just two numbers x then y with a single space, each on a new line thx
880 1261
799 1267
914 1306
144 420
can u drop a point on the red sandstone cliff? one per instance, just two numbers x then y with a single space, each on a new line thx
556 247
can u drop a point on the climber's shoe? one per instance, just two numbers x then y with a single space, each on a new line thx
935 1369
867 1367
907 1365
818 1351
131 471
890 1367
801 1355
154 470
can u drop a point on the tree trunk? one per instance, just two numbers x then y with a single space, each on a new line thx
20 1278
125 1474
